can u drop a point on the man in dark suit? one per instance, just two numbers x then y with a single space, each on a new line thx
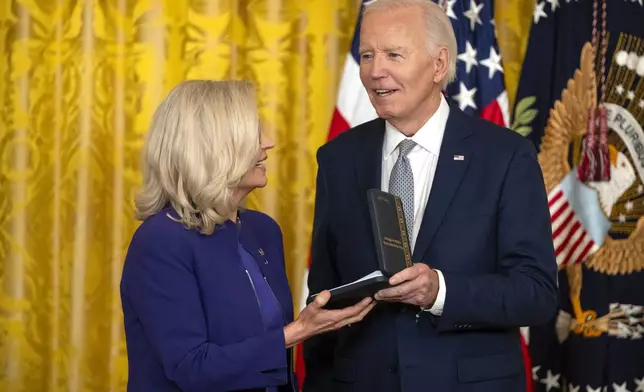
478 219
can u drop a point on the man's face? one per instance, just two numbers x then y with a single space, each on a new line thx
396 67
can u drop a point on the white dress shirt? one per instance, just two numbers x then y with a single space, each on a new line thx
423 159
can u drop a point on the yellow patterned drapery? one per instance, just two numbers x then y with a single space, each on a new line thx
513 19
79 82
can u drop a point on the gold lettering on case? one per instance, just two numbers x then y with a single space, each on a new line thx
403 232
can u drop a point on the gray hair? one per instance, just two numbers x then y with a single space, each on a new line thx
440 32
203 138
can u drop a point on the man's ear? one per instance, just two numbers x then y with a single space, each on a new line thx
441 64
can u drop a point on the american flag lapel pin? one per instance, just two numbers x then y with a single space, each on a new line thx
459 158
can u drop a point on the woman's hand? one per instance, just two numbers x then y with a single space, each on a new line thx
314 320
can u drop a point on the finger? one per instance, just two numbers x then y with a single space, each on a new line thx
402 276
409 273
404 290
366 310
350 311
321 299
426 290
416 300
353 319
359 307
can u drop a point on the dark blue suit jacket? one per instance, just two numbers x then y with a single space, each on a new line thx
192 321
486 227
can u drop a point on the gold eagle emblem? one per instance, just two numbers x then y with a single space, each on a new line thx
567 124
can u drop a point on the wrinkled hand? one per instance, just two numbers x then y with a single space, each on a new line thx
314 320
415 285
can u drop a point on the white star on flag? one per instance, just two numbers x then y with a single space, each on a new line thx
535 371
493 63
450 9
468 57
539 12
630 95
473 14
619 89
639 384
551 381
620 388
476 40
553 4
465 97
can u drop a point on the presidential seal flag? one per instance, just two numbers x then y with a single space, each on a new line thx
581 102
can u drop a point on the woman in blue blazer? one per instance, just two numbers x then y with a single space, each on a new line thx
205 298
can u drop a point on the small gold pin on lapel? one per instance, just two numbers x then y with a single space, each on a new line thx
261 251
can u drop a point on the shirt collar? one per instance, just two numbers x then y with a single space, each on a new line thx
429 136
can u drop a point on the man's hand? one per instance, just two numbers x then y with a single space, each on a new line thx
416 285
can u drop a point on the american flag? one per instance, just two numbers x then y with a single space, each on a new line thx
479 88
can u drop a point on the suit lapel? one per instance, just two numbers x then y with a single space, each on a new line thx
448 176
368 169
368 161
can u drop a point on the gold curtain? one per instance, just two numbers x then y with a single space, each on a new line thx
79 82
513 19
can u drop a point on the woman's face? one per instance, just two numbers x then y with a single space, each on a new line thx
256 176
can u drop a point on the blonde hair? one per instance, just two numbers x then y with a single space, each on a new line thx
203 138
440 31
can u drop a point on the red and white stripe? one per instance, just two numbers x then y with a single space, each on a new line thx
572 242
353 105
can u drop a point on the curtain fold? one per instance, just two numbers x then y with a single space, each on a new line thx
79 83
513 20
